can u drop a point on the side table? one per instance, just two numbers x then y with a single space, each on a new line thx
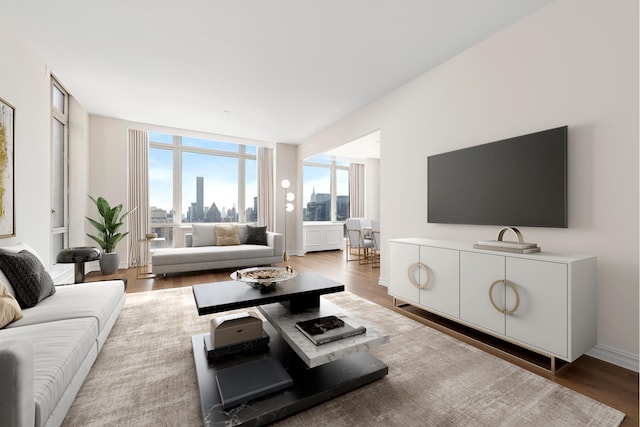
144 257
78 256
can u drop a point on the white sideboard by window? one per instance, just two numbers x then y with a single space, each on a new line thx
322 236
544 302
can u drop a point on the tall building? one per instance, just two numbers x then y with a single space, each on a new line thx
318 208
342 208
213 214
158 215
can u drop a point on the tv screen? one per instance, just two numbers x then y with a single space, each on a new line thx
517 181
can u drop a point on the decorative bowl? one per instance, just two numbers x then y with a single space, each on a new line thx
150 236
263 277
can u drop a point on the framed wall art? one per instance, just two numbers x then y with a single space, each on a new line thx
7 178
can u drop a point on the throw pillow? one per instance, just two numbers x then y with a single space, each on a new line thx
14 249
9 308
31 282
203 235
227 235
257 235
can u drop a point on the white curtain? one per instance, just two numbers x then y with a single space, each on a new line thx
356 190
265 188
138 169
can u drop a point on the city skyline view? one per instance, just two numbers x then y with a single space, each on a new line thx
213 166
209 182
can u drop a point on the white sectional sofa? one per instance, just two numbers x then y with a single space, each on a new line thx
46 355
205 250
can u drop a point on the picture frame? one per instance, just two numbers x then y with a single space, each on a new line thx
7 172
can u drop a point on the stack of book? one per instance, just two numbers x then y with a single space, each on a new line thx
506 246
329 329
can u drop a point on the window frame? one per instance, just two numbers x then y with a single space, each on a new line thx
334 165
61 117
178 149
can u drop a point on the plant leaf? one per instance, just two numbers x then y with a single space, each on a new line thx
98 240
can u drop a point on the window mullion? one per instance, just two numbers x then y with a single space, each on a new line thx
333 191
241 189
177 180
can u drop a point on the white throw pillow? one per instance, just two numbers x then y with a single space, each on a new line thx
203 235
242 233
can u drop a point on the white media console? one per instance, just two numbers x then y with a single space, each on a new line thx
544 302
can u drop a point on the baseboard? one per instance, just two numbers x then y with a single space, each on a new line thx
616 357
383 282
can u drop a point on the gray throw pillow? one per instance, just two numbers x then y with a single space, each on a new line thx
257 235
30 281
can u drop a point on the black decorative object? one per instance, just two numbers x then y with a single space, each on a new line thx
79 256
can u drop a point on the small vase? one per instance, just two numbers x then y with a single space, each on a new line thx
109 263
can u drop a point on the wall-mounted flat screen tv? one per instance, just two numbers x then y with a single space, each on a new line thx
517 181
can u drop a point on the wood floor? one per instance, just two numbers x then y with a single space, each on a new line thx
607 383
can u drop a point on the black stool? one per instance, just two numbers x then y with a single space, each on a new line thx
78 256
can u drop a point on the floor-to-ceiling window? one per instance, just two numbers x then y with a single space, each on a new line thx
199 180
325 194
59 168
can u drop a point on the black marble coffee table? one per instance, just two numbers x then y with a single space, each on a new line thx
297 294
311 386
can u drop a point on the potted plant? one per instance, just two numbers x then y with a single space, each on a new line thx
108 237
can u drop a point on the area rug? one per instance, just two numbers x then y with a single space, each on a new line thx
145 376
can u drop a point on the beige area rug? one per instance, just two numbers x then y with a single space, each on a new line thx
145 376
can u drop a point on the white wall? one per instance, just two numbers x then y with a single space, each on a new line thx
572 63
372 188
24 83
79 162
108 166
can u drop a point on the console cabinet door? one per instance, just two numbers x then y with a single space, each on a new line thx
477 272
541 318
334 238
442 291
322 237
402 259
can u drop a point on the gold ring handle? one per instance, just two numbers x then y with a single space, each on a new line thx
423 267
515 291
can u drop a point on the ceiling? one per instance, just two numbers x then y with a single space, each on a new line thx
270 70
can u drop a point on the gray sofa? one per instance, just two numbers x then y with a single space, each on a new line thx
46 355
202 251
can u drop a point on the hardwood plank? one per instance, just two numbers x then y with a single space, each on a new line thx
602 381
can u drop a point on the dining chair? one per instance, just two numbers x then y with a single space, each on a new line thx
357 240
